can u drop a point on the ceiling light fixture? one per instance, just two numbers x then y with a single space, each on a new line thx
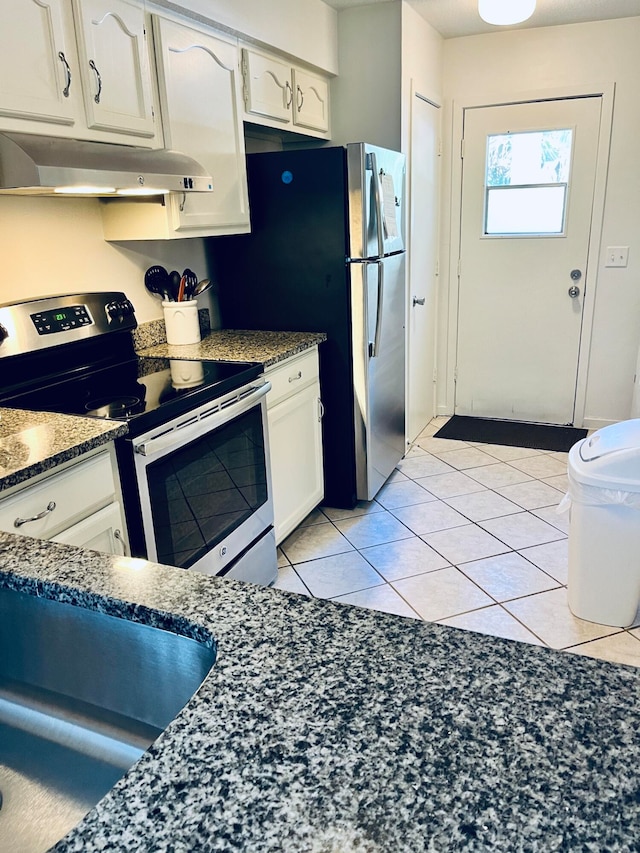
505 12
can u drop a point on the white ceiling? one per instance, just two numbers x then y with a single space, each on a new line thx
454 18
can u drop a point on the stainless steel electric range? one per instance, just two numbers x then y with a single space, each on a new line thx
194 466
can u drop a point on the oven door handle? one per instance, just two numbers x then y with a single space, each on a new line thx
205 422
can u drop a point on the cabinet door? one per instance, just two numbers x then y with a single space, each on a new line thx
115 67
103 531
295 445
310 101
267 86
38 66
201 115
56 502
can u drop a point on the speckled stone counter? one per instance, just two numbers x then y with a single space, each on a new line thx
268 348
34 442
329 728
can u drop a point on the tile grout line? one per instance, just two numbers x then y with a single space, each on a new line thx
390 512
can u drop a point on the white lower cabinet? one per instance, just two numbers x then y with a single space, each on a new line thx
77 504
294 414
101 531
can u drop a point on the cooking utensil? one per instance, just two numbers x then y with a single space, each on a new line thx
190 283
183 282
201 286
155 280
174 284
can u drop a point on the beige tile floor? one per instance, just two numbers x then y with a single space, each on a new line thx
461 534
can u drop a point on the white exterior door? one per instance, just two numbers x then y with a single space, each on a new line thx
423 257
527 198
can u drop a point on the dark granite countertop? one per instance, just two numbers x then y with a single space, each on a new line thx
329 728
34 442
268 348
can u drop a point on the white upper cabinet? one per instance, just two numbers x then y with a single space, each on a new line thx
114 66
310 101
267 86
201 113
78 68
201 106
280 94
38 62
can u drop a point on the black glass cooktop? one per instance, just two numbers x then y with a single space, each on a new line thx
144 392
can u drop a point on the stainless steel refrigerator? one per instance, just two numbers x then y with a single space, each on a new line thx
326 253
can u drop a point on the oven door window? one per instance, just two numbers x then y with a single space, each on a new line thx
203 491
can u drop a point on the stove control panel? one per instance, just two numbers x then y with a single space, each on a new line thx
39 324
61 319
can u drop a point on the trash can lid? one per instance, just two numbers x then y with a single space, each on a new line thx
609 458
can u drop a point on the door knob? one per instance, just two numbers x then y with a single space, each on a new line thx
416 301
573 291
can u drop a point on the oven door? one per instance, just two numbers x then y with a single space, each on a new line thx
204 487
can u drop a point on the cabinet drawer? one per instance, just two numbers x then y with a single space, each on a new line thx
292 375
76 493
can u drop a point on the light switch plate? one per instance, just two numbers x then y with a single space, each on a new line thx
617 256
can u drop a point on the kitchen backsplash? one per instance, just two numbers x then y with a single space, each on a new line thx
153 332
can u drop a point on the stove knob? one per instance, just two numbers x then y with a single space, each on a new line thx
127 308
3 333
113 310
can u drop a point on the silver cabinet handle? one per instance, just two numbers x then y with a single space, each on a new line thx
417 301
574 291
67 71
118 535
320 409
299 98
50 508
289 92
296 377
93 67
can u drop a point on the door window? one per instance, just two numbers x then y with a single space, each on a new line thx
527 177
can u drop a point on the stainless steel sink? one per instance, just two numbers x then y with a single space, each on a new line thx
82 696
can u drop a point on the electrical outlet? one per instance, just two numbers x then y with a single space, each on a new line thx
617 256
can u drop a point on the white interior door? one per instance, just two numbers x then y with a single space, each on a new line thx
527 198
423 230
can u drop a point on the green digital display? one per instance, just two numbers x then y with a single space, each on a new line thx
60 320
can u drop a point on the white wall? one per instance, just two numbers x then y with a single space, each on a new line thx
50 246
365 97
422 49
516 62
383 49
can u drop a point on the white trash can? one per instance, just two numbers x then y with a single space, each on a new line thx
604 528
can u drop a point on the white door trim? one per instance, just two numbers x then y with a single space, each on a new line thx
435 102
606 91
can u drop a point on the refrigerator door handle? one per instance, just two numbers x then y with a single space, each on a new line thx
375 346
378 202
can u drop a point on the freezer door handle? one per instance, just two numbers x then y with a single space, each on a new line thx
378 202
375 346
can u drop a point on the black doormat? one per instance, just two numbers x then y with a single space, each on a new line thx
513 433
